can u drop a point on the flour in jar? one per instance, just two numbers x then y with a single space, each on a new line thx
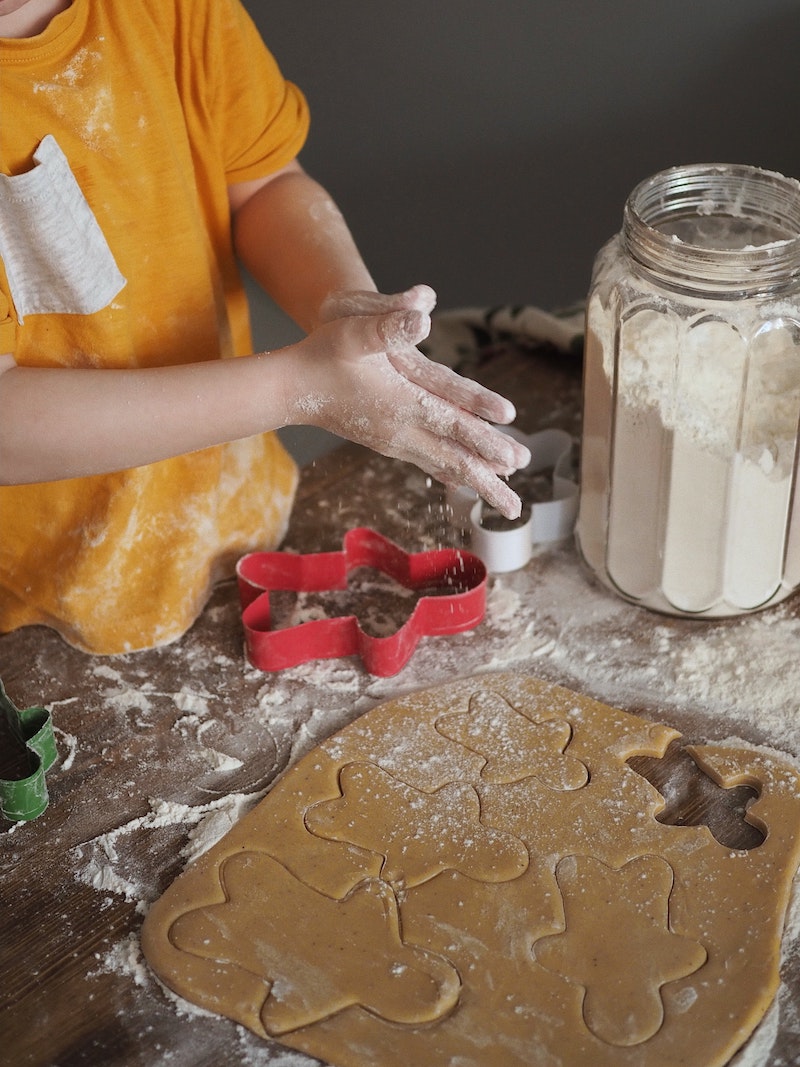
689 451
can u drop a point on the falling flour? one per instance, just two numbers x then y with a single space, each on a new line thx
711 680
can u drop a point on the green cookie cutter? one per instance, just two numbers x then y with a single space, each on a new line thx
31 730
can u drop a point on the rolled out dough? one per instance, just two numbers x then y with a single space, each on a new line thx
473 875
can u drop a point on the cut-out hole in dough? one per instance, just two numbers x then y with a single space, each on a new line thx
623 943
692 798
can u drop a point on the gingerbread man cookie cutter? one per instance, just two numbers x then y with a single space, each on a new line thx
270 649
31 731
505 546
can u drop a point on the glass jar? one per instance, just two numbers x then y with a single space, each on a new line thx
692 395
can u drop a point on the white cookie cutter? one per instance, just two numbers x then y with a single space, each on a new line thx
549 520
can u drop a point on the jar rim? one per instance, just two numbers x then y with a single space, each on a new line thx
700 192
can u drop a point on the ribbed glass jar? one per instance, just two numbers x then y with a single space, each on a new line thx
692 395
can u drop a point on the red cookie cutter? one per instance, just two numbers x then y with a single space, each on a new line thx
269 650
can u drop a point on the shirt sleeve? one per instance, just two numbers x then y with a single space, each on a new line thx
260 118
8 323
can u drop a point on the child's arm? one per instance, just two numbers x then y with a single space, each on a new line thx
61 423
357 374
295 242
293 239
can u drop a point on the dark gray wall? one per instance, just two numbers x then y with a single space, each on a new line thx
487 146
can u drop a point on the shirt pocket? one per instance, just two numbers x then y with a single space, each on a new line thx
56 257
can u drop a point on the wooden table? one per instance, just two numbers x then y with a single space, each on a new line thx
155 745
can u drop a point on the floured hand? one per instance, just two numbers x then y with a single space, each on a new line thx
360 376
341 304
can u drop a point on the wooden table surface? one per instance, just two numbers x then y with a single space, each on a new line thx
159 748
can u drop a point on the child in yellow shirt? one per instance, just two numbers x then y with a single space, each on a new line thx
141 156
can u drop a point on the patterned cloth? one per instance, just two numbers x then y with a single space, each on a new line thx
460 338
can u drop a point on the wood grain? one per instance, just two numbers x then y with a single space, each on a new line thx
60 1001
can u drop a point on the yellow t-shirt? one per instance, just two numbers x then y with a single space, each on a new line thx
157 107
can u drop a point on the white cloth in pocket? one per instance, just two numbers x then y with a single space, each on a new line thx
56 256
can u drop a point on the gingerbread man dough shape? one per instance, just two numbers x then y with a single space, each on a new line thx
429 955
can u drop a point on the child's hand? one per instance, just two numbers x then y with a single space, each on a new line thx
360 376
340 305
